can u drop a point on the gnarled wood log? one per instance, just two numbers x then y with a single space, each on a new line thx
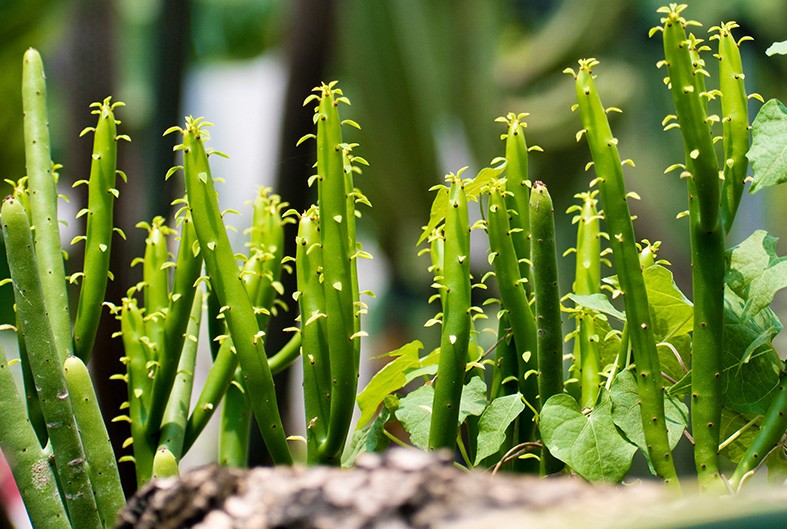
408 489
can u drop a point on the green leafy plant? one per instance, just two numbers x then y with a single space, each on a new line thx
628 381
646 365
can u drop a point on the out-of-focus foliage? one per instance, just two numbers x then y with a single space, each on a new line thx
415 67
429 78
236 29
23 23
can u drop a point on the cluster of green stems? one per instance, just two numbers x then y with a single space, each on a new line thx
59 448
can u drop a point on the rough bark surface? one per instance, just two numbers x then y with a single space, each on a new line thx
402 489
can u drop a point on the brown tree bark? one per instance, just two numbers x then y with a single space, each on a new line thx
404 489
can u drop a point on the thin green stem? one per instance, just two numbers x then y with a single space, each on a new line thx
456 321
225 278
235 425
687 85
29 463
102 467
772 430
47 368
313 332
625 257
179 316
515 303
173 423
735 121
547 302
99 227
338 281
43 202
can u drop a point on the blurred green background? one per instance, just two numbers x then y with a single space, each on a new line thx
426 79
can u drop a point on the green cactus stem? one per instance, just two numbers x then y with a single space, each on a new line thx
456 319
165 465
267 244
155 284
43 201
31 395
625 257
514 301
101 464
547 295
219 378
313 332
235 425
47 368
179 315
99 226
703 179
587 280
518 183
771 433
691 111
225 278
735 120
173 423
28 461
336 229
136 347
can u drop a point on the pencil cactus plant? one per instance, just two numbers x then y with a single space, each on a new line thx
647 366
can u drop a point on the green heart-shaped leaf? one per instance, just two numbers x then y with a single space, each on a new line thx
627 416
590 444
415 410
769 146
493 423
392 377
